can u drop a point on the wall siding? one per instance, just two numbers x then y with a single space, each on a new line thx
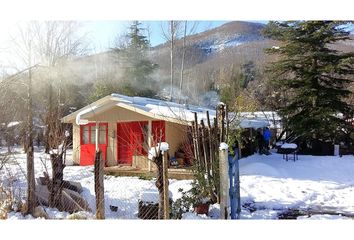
175 135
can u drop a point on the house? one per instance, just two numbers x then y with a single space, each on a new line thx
128 127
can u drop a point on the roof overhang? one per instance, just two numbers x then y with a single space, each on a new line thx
88 112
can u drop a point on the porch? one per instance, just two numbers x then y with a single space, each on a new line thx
130 171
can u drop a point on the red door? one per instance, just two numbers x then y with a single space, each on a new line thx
158 132
131 140
88 142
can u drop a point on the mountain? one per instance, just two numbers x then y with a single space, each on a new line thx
226 57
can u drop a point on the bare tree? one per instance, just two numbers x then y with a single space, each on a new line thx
171 35
47 44
191 30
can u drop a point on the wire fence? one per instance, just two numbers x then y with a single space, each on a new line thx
125 197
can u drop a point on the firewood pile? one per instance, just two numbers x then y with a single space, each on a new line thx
71 199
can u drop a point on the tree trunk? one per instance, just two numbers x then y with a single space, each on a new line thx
160 185
49 119
183 57
171 55
31 197
57 181
99 186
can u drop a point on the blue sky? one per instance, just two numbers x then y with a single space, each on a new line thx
103 33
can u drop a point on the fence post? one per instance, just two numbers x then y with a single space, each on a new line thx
99 186
166 203
234 174
224 181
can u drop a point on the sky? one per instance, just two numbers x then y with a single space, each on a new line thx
103 33
104 20
100 35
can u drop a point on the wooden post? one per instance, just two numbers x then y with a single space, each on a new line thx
205 150
97 135
149 141
99 186
227 123
221 121
166 204
238 194
211 149
196 141
224 183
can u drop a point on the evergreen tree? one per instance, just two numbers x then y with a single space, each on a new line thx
313 76
138 68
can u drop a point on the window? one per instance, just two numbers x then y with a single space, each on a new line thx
89 134
85 134
102 134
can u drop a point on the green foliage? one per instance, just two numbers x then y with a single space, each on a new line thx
204 190
138 69
239 80
196 195
312 75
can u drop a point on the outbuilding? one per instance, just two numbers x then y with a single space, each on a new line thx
128 127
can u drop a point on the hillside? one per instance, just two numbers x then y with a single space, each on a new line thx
230 56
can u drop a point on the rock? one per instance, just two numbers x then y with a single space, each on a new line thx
42 194
39 212
73 202
71 185
74 186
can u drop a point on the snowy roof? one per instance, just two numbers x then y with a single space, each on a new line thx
165 108
169 111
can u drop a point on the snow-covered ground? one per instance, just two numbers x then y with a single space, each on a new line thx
269 186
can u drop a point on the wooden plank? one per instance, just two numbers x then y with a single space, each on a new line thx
210 136
166 205
99 186
205 150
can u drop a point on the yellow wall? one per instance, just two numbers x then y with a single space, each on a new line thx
175 135
118 114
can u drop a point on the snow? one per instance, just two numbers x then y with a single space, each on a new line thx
254 123
151 196
123 192
223 146
12 124
289 145
163 147
269 186
323 217
324 182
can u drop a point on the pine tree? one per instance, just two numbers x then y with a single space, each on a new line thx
138 68
313 76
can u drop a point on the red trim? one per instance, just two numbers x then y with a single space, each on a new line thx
88 150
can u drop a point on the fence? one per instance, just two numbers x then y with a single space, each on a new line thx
125 197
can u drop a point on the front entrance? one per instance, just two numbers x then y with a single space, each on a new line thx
88 142
132 139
